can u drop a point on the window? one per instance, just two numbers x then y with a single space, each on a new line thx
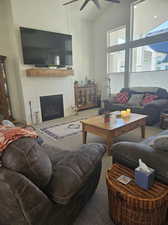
146 48
116 36
116 62
148 16
150 58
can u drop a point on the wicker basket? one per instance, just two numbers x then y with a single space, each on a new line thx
131 205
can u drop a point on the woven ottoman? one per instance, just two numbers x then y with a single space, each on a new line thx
130 204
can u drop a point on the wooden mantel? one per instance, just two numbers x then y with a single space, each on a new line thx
44 72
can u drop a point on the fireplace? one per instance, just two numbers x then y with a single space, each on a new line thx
51 107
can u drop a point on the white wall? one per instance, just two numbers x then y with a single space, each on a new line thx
47 15
150 79
115 16
50 15
7 48
116 82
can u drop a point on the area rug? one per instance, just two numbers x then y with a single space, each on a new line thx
59 131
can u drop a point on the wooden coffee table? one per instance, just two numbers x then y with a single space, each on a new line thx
112 129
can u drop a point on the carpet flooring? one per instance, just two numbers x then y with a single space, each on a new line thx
96 211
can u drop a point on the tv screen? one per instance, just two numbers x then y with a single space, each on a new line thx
43 48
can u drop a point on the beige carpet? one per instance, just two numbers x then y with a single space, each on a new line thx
96 211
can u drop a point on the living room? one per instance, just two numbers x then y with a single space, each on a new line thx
110 96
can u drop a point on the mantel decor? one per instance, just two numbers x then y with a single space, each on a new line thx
44 72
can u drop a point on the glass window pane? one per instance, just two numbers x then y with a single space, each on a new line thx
150 17
116 62
150 58
115 37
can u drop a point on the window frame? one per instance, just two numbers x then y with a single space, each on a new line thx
113 30
130 44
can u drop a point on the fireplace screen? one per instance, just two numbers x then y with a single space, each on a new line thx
52 107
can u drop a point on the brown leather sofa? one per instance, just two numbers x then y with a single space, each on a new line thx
152 110
128 153
43 185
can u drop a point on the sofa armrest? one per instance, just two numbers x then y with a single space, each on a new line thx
72 171
128 154
159 103
22 202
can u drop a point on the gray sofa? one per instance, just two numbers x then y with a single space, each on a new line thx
152 110
43 185
128 153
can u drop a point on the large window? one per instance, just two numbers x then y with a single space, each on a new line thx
148 16
150 20
116 36
116 60
150 57
146 48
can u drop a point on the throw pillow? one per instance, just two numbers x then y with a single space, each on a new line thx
135 99
160 143
148 98
122 97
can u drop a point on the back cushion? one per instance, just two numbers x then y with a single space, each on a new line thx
135 99
148 98
27 157
122 97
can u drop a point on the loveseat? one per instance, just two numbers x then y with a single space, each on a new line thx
128 153
152 109
43 185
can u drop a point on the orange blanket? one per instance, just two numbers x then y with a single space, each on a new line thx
10 134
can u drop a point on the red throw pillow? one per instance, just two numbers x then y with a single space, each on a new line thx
122 97
148 98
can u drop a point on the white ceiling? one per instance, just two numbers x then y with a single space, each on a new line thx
90 12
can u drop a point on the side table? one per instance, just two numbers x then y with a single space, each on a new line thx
130 204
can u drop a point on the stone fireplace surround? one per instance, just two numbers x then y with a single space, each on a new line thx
35 87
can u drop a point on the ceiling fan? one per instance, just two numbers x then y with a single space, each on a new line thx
96 2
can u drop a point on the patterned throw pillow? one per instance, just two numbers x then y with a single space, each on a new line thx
148 98
122 97
135 99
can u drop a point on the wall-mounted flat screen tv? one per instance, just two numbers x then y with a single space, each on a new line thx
43 48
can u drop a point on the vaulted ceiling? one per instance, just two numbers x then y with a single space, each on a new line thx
90 12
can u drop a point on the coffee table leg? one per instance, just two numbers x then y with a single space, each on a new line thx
84 136
109 145
143 131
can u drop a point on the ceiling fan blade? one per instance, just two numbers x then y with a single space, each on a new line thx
96 3
66 3
113 1
84 4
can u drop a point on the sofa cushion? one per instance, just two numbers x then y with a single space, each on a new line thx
26 157
135 99
148 98
70 172
160 143
122 97
160 92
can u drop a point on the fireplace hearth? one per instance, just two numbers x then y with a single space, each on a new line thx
51 107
